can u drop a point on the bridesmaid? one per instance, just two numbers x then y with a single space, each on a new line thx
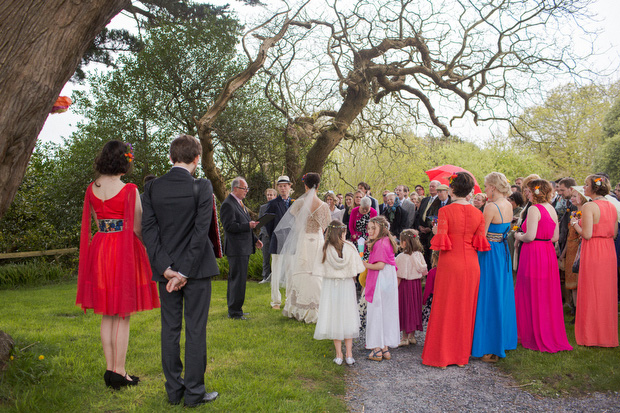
540 319
495 330
596 321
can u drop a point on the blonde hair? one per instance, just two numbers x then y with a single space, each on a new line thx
499 181
529 179
384 231
410 242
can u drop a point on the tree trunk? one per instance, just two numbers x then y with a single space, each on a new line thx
42 42
356 99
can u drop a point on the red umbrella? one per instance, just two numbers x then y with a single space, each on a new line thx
442 174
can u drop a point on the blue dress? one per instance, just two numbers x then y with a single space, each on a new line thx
496 320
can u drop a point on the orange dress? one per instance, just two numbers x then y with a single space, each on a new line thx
450 332
596 320
114 276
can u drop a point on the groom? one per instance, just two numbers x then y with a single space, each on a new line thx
175 226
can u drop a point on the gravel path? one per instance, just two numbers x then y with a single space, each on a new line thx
403 384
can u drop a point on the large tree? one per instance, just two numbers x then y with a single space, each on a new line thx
42 42
465 59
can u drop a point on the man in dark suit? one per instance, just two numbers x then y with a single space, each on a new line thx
278 207
270 194
239 244
440 201
422 224
175 224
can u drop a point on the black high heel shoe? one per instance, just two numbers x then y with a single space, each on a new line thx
117 381
106 377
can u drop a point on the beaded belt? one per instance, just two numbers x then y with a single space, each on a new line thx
110 225
496 237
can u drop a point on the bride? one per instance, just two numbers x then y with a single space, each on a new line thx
300 237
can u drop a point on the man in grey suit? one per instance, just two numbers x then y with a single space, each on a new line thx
239 244
175 224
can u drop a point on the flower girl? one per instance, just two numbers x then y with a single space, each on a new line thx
382 329
411 269
338 318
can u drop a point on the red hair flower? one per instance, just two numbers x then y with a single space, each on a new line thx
452 178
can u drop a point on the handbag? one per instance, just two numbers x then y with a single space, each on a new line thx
577 260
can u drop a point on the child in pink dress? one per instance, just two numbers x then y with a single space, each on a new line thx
411 268
382 329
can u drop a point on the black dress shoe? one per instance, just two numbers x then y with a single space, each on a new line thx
208 397
238 317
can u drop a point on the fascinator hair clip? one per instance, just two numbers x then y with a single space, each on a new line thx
128 152
452 178
537 190
598 181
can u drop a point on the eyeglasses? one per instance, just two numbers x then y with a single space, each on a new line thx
247 188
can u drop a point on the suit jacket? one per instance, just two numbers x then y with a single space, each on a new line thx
400 220
263 229
433 210
240 238
276 206
175 227
408 206
419 222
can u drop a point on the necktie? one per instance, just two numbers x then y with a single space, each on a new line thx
428 205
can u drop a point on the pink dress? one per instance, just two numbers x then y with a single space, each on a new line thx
538 298
596 321
411 268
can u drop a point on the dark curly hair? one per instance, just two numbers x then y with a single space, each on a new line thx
312 179
462 184
112 160
599 184
544 191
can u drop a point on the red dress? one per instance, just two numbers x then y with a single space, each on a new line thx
450 331
114 276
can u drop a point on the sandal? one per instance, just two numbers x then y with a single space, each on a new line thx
375 355
387 355
490 358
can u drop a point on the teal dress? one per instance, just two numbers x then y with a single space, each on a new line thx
495 329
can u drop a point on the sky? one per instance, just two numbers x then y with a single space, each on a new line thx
606 48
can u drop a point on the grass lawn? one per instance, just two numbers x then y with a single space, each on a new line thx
269 363
570 373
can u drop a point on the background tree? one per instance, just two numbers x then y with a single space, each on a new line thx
608 153
567 129
468 59
43 42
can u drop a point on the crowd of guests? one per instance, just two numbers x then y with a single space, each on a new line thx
507 261
498 266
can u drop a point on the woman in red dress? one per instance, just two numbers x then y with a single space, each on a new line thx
459 234
114 276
